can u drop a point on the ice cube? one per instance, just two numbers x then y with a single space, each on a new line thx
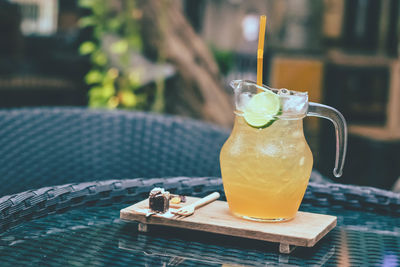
283 91
297 134
244 100
272 150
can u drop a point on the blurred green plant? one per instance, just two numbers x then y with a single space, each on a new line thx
113 81
224 58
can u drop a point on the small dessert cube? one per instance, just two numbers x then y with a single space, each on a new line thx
159 200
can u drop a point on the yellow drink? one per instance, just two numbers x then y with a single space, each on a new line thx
265 172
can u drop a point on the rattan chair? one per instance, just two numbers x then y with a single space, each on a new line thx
51 146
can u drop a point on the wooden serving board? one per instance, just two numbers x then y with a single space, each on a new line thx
305 230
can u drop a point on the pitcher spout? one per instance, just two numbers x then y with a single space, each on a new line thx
236 84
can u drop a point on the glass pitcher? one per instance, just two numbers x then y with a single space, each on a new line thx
265 170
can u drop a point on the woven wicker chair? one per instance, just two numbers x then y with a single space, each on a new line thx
50 146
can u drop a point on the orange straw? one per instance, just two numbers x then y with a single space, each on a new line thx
260 50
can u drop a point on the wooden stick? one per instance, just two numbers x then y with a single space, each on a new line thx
205 200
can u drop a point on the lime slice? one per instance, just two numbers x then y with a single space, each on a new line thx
261 110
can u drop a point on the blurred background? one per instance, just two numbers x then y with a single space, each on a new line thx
178 56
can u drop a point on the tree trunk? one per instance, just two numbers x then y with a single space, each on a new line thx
199 91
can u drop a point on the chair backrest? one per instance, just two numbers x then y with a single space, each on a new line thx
49 146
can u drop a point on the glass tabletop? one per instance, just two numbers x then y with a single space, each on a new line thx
95 236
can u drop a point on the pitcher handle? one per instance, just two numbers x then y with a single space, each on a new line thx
327 112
